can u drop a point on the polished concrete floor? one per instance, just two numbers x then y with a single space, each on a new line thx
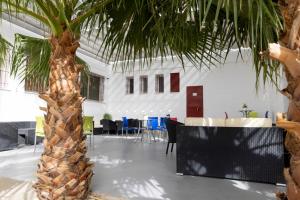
135 170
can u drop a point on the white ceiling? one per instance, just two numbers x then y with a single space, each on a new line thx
89 47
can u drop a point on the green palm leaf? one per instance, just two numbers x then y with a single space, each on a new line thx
196 30
4 48
202 32
31 59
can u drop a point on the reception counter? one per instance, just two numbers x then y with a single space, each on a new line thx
230 122
242 153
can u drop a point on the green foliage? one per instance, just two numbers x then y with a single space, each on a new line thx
4 48
192 29
107 116
202 32
30 59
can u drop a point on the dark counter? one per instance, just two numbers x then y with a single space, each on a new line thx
250 154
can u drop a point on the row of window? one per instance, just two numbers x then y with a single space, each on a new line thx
92 86
159 83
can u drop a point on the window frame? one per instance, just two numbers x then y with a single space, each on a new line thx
142 85
157 83
100 97
127 85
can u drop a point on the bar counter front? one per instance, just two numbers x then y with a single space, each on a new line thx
240 153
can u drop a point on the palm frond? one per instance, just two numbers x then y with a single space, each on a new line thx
148 29
200 31
30 59
4 50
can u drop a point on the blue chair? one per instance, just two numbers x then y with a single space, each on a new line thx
162 126
152 125
129 125
124 125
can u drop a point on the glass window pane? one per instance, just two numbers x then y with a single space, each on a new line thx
143 84
129 85
84 85
159 83
94 84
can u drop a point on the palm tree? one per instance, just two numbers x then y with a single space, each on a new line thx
64 171
193 30
269 27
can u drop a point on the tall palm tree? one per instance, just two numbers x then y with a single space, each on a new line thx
269 27
64 171
193 30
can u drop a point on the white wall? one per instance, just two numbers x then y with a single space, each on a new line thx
18 105
225 89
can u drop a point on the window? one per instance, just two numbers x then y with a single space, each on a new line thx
92 87
129 85
159 83
175 82
4 75
143 84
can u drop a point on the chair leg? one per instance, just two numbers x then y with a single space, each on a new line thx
153 136
142 136
34 143
137 135
172 147
93 142
167 148
90 139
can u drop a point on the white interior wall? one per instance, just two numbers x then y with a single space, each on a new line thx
225 88
16 104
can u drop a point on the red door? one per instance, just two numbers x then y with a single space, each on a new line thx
194 101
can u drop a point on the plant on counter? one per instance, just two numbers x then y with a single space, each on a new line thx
107 116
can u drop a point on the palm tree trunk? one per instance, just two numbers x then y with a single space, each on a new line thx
288 53
64 172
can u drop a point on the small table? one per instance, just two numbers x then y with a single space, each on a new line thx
27 132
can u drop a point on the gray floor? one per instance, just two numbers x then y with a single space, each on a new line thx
135 170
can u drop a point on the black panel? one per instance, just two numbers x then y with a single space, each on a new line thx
9 134
251 154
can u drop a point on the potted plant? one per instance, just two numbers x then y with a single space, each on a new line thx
107 116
